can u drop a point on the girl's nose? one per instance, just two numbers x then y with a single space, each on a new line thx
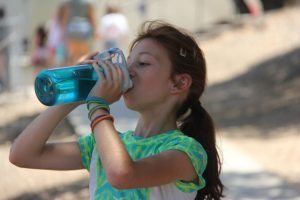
131 71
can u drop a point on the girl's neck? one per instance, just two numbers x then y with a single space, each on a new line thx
155 122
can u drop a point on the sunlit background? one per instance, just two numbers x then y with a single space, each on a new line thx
253 60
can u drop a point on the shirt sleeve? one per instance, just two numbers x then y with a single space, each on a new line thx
86 144
197 155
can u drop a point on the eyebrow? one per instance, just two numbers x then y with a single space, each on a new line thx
143 52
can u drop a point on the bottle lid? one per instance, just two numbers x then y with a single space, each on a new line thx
116 56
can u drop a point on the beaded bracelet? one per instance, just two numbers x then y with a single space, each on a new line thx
99 119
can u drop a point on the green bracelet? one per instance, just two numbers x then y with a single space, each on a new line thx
96 99
96 107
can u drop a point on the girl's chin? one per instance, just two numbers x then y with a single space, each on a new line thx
126 96
128 104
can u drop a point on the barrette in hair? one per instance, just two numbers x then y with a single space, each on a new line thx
182 52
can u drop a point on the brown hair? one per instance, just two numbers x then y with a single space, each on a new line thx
41 33
112 7
187 57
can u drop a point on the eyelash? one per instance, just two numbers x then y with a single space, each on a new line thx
143 63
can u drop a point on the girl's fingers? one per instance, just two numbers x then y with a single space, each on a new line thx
111 72
108 87
91 56
87 57
115 72
86 62
98 71
108 71
119 74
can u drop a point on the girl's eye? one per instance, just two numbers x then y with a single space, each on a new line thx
142 64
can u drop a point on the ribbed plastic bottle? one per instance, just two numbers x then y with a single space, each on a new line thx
73 83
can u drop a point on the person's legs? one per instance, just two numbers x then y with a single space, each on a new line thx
77 49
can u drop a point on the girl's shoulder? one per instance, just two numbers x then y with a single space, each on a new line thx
164 140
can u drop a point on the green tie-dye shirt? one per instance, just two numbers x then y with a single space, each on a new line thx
138 148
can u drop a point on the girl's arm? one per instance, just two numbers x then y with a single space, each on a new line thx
121 171
31 150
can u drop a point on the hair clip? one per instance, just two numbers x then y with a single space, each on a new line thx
182 52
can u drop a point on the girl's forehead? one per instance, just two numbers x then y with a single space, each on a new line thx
155 50
145 43
149 46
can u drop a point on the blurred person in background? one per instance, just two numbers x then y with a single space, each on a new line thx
40 52
252 7
56 39
79 28
113 28
4 76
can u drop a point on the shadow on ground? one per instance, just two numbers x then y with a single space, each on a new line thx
10 131
77 190
267 96
270 190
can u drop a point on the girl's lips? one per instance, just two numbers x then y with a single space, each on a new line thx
129 89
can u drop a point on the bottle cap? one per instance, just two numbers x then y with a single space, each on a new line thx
116 56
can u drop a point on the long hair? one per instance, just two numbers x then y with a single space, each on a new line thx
187 57
41 33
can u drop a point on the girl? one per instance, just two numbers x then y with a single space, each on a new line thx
171 154
40 53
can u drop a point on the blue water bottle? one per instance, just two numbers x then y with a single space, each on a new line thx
73 83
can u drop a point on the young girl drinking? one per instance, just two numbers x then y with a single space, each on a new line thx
171 154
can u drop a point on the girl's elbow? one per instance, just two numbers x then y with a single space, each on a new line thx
118 183
16 159
119 180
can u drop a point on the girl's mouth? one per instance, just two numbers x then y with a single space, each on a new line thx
129 89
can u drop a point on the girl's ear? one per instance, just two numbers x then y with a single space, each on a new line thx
181 83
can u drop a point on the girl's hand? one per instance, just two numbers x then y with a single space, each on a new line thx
109 83
87 59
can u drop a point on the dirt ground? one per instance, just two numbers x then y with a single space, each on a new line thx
253 92
279 154
233 55
18 183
